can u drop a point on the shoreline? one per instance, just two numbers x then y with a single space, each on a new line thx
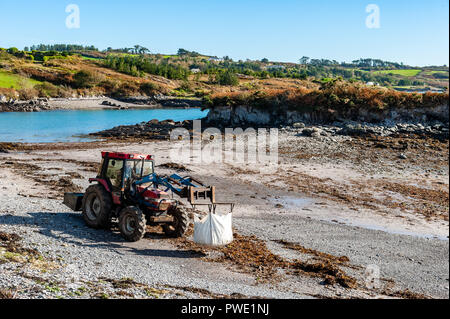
160 130
98 103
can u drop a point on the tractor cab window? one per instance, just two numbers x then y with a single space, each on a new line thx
137 169
148 168
133 170
114 172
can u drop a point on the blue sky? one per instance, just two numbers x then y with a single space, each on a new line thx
412 31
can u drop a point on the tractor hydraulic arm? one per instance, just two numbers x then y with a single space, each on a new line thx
175 183
185 187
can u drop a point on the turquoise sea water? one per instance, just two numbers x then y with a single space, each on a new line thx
69 126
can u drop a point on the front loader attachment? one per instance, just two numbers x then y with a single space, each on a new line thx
197 193
201 195
205 196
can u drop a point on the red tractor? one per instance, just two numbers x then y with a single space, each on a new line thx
127 188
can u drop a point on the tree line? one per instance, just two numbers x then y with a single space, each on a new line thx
61 47
137 65
360 63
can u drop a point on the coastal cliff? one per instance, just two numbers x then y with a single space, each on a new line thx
249 115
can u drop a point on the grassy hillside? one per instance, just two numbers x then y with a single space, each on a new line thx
80 71
408 73
49 74
14 81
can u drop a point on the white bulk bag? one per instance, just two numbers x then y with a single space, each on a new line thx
213 230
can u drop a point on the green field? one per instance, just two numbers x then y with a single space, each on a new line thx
9 80
409 72
435 72
91 59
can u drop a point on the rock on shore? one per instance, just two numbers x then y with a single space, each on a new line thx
154 129
436 129
25 106
163 100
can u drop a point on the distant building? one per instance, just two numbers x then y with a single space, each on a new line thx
372 84
196 70
215 59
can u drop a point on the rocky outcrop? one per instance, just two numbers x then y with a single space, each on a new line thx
162 100
437 130
153 129
250 116
181 103
424 122
241 115
120 107
25 106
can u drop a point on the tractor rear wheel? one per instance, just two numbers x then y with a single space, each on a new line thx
132 223
180 224
97 205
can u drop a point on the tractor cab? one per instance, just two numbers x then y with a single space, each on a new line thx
119 170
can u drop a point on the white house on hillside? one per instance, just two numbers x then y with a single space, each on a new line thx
214 59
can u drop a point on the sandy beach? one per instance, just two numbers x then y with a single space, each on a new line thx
349 204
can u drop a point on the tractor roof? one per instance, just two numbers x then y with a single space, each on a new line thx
131 156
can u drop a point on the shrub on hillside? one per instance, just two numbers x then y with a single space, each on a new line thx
201 93
43 75
440 75
28 93
149 88
84 79
109 85
47 89
13 51
65 91
186 86
126 89
8 93
227 78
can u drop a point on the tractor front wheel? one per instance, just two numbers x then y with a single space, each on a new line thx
180 224
132 224
97 205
